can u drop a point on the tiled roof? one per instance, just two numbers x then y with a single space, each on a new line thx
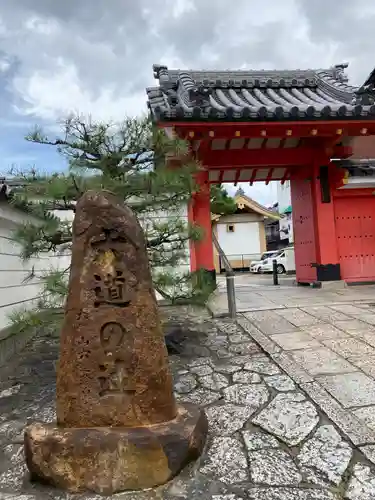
258 95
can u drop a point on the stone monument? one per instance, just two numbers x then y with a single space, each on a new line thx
118 425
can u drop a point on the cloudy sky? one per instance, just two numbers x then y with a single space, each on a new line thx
96 56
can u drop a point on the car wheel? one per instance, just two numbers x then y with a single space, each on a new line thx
280 269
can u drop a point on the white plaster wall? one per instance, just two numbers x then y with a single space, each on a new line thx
14 293
244 241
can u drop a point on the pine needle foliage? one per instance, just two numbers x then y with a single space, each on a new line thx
133 160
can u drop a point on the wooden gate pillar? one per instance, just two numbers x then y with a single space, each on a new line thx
316 249
328 267
201 252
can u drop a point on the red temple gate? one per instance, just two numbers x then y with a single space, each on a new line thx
249 126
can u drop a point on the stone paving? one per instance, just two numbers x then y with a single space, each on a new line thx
268 438
256 292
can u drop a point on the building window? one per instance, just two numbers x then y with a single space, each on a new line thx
230 228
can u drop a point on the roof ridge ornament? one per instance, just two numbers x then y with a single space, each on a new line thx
339 72
365 95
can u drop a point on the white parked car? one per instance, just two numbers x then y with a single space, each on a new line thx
284 259
256 265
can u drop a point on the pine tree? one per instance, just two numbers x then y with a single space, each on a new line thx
133 160
221 202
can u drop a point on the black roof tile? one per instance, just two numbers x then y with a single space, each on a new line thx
259 95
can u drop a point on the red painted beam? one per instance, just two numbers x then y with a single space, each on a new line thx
262 157
269 176
253 175
256 157
274 129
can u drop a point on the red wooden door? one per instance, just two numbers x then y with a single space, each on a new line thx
355 230
304 230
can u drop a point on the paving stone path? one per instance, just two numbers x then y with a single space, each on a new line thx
268 439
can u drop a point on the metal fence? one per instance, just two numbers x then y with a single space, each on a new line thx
238 262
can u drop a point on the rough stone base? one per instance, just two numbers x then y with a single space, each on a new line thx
110 460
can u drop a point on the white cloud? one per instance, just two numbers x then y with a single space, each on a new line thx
51 96
96 57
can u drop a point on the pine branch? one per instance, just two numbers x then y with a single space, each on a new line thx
131 159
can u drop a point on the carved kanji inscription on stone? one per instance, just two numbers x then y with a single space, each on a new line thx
113 368
111 289
115 379
111 336
116 375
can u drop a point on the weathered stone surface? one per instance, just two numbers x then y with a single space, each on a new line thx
252 395
346 421
350 389
118 424
109 460
292 368
369 452
291 494
325 331
200 362
311 476
238 338
289 417
227 368
281 383
349 347
226 419
366 364
243 377
327 452
270 323
262 339
230 496
273 467
197 487
201 370
294 341
298 317
214 382
185 384
247 347
321 361
113 367
256 440
226 461
10 391
262 365
200 397
326 314
362 484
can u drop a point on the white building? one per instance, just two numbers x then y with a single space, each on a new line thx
241 235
